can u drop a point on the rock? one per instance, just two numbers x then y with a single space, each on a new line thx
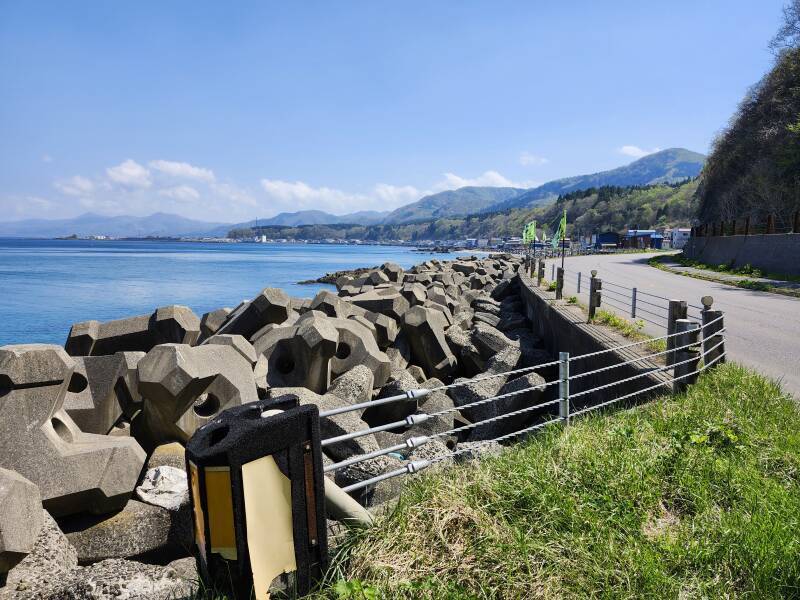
272 305
391 303
21 518
357 346
298 356
75 471
167 455
354 386
165 486
475 450
210 322
185 387
168 324
424 328
138 530
51 560
186 568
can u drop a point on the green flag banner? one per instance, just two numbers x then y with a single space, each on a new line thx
561 234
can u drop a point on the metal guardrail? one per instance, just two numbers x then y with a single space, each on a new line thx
684 367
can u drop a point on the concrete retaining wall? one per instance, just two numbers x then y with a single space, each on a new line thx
777 253
563 328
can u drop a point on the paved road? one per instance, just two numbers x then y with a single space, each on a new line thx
763 329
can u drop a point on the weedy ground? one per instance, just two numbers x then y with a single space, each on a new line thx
692 496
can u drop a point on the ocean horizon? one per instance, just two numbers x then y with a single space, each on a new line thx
47 285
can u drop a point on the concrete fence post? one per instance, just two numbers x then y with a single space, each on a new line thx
553 272
796 222
676 310
770 223
559 283
595 294
540 272
633 303
563 386
747 226
713 340
686 359
579 282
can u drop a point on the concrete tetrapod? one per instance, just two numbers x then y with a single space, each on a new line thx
184 387
168 324
21 518
357 346
75 471
424 328
297 356
272 305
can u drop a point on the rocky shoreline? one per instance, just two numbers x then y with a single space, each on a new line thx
92 468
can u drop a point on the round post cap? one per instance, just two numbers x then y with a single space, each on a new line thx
707 301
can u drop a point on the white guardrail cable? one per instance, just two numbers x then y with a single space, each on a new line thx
415 466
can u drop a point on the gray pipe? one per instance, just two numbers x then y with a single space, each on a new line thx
342 507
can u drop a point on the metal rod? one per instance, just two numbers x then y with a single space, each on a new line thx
563 387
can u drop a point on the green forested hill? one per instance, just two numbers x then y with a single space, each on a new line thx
607 208
754 168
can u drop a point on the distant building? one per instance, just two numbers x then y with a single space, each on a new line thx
680 237
605 239
643 238
483 242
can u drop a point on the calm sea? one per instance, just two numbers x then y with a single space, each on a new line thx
47 285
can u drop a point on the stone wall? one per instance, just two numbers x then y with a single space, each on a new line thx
775 253
562 327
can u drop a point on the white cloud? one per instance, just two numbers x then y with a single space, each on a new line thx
532 160
635 151
75 186
180 192
130 174
298 195
233 193
183 170
394 196
452 181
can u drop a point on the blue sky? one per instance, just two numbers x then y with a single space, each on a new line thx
228 111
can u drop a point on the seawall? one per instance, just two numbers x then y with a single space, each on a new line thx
775 253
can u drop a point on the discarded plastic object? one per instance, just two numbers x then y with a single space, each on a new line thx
258 498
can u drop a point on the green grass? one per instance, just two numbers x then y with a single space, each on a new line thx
629 329
696 496
746 270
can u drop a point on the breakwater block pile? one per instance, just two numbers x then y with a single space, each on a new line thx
93 486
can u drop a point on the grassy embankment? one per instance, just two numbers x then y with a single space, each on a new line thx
713 272
690 496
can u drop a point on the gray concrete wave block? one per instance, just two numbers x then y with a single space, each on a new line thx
21 518
51 560
376 278
393 271
297 356
167 455
400 381
357 346
168 324
138 529
386 329
272 305
210 322
483 304
354 386
331 304
103 390
485 317
490 340
469 358
424 328
238 343
75 471
415 293
389 302
185 387
336 425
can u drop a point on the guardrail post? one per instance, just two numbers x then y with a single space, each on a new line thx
712 335
633 303
563 386
595 294
686 359
553 272
540 273
677 310
559 283
770 223
579 282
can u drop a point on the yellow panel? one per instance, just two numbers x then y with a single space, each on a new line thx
219 498
199 518
268 511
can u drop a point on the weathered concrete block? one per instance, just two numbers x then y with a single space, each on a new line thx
167 455
238 343
354 386
331 304
357 346
184 387
415 293
469 358
489 340
92 400
168 324
51 559
400 381
485 317
388 302
210 322
377 278
20 518
393 271
424 328
297 356
139 529
386 328
272 305
75 471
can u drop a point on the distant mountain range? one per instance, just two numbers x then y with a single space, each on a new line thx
666 166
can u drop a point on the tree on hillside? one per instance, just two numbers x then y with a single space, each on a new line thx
788 35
